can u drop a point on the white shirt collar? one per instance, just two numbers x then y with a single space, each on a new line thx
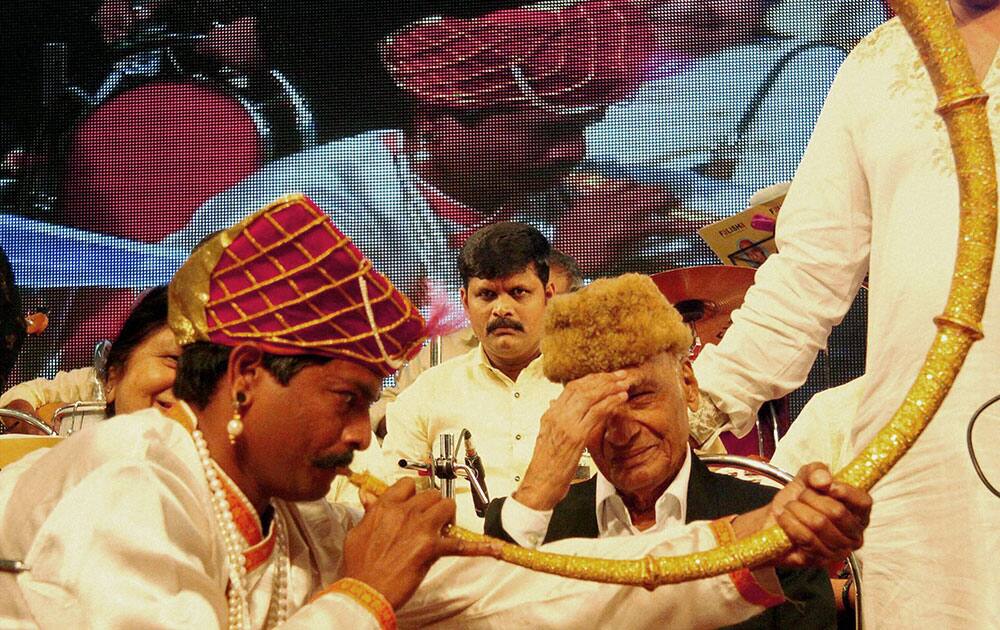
534 368
671 508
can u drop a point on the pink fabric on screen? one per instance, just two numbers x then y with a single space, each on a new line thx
144 160
587 54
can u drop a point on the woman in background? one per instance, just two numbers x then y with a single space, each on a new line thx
139 374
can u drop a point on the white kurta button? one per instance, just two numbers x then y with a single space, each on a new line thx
517 394
517 436
517 477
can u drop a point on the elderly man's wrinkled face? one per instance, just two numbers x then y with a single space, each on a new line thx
643 443
506 315
698 27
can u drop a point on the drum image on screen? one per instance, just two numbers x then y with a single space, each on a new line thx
140 162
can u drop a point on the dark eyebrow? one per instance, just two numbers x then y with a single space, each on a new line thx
371 393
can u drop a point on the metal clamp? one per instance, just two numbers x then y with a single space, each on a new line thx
75 413
447 468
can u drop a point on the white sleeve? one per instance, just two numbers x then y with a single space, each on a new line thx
527 527
818 434
66 387
485 593
128 547
131 546
333 611
823 236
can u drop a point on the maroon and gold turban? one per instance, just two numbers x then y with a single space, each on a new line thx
567 57
287 278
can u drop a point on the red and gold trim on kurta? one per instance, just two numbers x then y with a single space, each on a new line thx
259 549
744 581
367 597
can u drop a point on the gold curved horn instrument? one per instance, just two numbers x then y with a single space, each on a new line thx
961 103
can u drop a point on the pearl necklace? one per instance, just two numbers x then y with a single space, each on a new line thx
237 596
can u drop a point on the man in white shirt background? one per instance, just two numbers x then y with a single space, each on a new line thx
496 390
564 276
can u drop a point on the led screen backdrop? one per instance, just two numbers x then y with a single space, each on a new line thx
132 130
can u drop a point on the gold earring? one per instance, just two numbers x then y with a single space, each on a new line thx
235 426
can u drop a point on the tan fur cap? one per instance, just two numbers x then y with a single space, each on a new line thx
611 324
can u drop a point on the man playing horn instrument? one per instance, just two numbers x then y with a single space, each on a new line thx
211 515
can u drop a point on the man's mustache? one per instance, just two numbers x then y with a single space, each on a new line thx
503 322
338 460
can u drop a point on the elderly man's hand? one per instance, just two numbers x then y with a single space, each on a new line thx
580 410
824 519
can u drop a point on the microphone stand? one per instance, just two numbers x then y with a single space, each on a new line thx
446 468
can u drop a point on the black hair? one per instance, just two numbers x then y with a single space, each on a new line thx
566 264
12 326
503 249
203 364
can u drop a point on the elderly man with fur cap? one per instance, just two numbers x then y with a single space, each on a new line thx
624 331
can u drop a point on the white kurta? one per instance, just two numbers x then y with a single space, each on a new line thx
467 392
818 434
877 188
117 527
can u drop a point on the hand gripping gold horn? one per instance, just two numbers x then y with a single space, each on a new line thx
961 103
